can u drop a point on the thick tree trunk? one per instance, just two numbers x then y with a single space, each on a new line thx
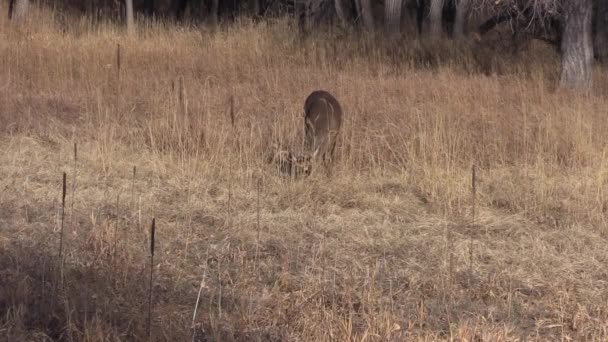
462 11
367 15
577 44
129 16
17 9
392 17
600 42
436 12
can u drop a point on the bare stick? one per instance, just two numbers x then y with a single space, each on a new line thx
117 212
232 122
219 278
118 62
182 98
198 298
232 118
133 184
473 191
449 255
152 231
62 217
473 205
74 186
257 242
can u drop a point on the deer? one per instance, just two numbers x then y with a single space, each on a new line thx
322 122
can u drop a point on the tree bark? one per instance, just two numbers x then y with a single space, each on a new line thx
341 11
392 17
148 7
213 12
255 8
577 45
600 42
436 13
17 9
367 15
460 22
129 16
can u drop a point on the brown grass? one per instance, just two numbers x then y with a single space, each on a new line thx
384 250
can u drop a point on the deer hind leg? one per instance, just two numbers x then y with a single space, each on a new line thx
309 135
328 157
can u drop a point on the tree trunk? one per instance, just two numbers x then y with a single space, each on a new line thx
367 15
148 7
392 17
460 22
213 12
436 12
17 9
600 42
129 16
341 11
178 8
255 8
577 44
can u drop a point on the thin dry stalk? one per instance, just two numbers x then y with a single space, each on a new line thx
219 278
183 105
152 233
232 118
473 192
118 66
230 161
133 185
451 255
133 204
198 298
74 185
63 191
117 223
257 241
473 207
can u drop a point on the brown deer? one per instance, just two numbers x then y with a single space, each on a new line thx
322 120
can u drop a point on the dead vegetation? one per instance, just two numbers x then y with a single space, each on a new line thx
385 250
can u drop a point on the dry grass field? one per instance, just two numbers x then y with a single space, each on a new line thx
393 247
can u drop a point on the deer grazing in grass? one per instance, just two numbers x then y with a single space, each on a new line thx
322 121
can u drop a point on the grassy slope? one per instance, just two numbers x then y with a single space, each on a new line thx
384 250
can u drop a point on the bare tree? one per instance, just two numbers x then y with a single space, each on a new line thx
17 9
129 16
213 11
254 7
600 42
392 17
342 10
435 14
576 38
367 15
577 44
462 11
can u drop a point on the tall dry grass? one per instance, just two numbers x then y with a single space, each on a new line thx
384 250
